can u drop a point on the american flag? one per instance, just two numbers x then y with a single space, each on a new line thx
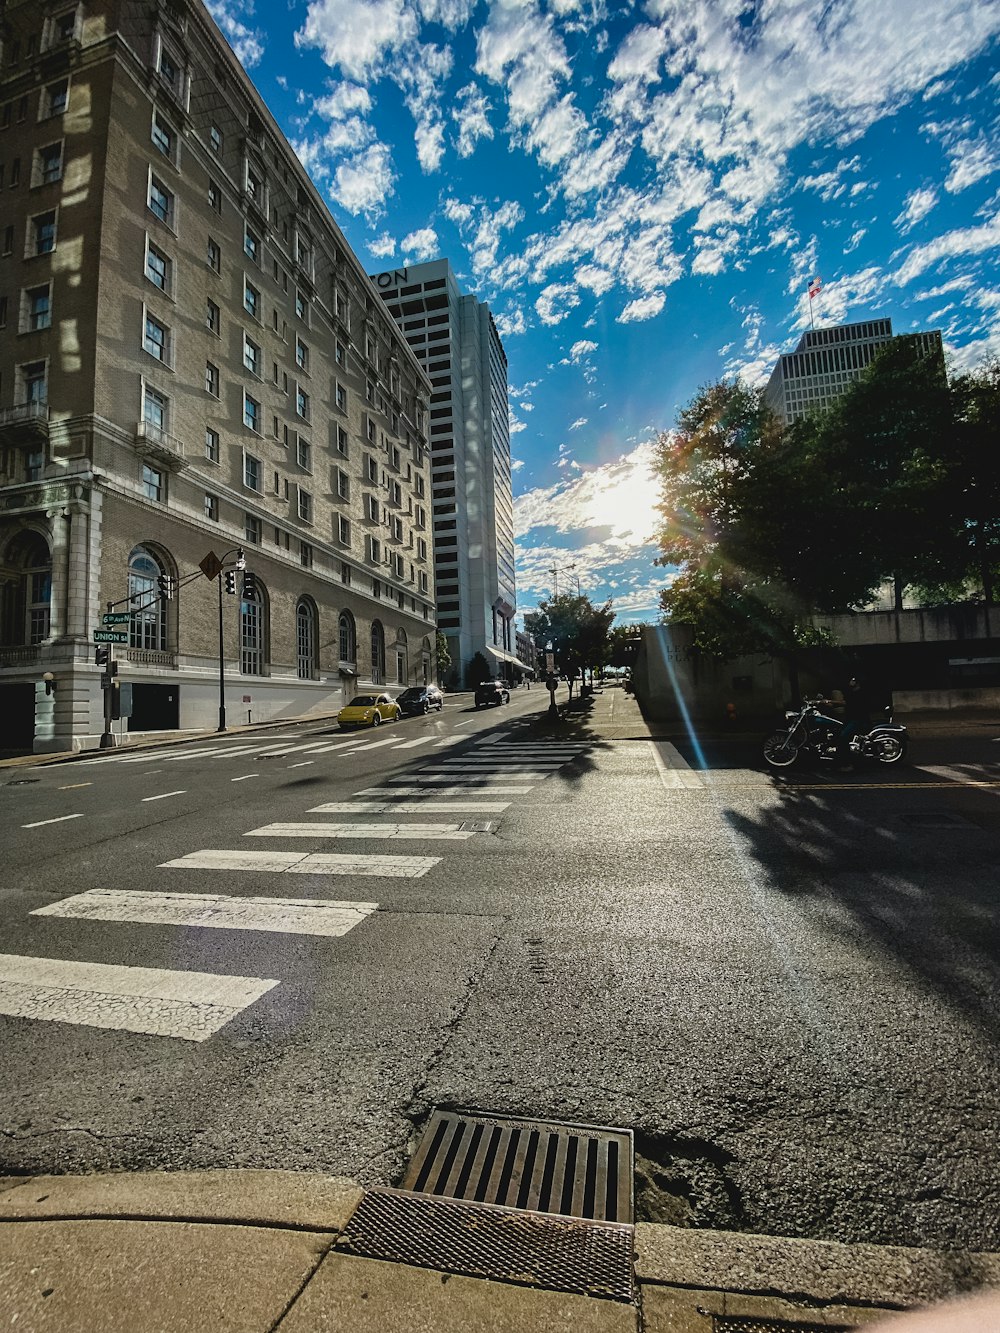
815 287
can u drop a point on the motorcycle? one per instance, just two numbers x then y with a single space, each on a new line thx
808 732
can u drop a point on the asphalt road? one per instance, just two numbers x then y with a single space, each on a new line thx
789 990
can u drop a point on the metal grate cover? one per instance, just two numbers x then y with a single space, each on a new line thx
478 1240
734 1323
571 1170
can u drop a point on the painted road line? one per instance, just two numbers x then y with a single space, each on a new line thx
60 820
464 771
245 777
448 740
409 807
287 916
307 863
366 832
333 745
305 763
215 751
469 790
412 745
163 795
373 745
189 1005
474 764
73 785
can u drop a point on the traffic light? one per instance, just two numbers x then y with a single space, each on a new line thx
101 656
249 585
231 581
166 586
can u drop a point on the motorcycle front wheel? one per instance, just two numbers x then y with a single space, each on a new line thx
889 749
777 751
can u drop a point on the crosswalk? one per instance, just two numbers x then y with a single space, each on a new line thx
195 1006
270 749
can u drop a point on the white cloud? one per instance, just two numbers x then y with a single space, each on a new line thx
346 99
509 323
472 116
364 183
916 206
580 421
965 241
855 239
971 161
643 307
638 58
421 245
581 349
555 302
383 247
829 184
357 35
247 43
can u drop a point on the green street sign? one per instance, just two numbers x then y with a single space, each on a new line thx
116 618
110 636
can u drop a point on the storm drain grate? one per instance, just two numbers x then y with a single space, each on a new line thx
734 1323
501 1244
573 1170
478 826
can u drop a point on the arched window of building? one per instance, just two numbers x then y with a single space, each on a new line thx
306 639
253 632
27 587
348 641
378 653
401 656
149 610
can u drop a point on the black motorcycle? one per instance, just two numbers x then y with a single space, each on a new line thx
810 733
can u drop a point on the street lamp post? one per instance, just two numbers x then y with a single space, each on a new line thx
551 681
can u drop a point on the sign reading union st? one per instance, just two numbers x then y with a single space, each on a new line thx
393 278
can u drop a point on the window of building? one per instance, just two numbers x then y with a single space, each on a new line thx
211 444
213 255
372 508
301 354
378 653
155 408
302 307
339 354
345 630
305 505
33 384
343 530
37 308
254 186
251 413
251 356
251 244
55 98
148 626
215 139
345 573
341 441
305 637
252 634
169 70
213 316
303 454
340 397
421 549
161 201
369 391
252 529
251 300
343 484
212 379
43 233
152 482
301 402
374 550
64 27
305 555
3 312
8 240
159 267
252 472
15 173
215 196
212 507
155 338
48 164
163 137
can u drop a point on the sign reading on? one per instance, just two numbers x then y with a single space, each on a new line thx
116 618
247 699
211 566
110 636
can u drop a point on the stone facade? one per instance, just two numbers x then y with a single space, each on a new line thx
191 360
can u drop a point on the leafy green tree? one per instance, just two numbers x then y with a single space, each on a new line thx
578 630
442 654
479 670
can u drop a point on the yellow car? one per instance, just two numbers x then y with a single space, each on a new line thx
368 710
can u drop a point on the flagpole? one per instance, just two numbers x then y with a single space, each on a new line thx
812 322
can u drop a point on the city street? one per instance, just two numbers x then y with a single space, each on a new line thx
284 948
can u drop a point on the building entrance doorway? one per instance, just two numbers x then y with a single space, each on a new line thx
155 708
17 716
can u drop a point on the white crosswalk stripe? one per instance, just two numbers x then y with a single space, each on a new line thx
409 807
292 916
149 1000
412 745
368 832
487 790
306 863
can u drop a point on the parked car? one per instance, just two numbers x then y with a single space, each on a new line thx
420 699
368 710
492 692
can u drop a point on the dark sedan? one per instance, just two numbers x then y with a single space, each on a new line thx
492 692
420 699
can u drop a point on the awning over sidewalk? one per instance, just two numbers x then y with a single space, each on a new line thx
501 656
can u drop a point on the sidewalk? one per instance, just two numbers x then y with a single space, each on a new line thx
261 1251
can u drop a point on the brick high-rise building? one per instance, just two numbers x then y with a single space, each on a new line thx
455 339
191 360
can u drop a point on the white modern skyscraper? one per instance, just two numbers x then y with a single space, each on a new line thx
455 340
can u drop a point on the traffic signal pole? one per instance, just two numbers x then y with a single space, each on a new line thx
108 736
222 662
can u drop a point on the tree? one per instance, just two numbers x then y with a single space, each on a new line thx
972 490
442 654
577 629
479 669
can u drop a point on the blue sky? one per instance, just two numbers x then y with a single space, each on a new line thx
642 192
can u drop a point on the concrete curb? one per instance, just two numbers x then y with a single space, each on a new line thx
165 1251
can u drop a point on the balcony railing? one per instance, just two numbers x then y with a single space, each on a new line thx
149 657
26 421
159 444
24 655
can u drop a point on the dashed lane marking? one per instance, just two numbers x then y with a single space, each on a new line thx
61 819
245 777
289 916
307 863
189 1005
73 785
368 832
305 763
